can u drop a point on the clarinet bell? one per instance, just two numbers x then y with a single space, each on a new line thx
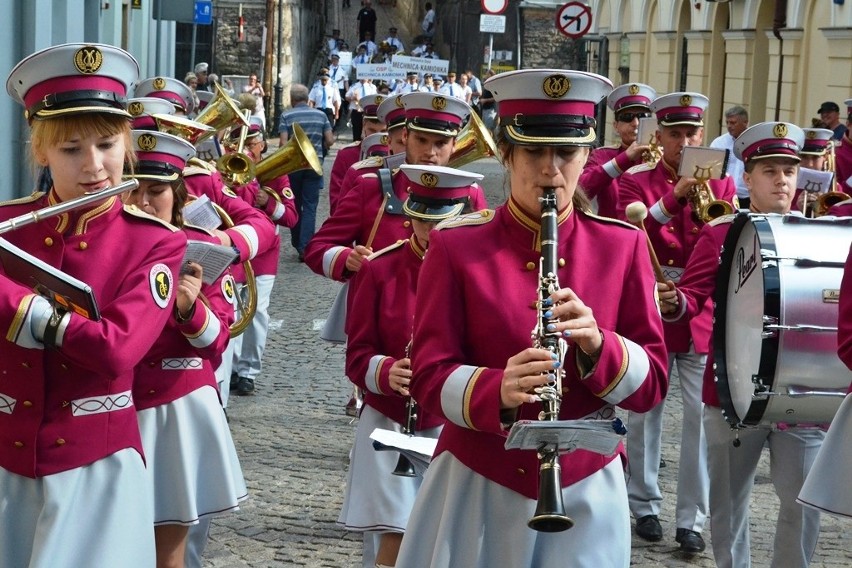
404 467
549 513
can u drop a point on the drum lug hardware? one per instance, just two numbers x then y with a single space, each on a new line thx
760 387
770 327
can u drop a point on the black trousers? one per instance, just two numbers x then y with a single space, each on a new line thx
357 123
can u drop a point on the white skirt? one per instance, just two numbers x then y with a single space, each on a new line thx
463 519
376 499
192 463
98 516
827 486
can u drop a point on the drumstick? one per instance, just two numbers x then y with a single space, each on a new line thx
636 213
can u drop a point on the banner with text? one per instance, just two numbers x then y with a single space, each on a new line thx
421 64
378 72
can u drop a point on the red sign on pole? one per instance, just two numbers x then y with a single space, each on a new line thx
574 19
494 6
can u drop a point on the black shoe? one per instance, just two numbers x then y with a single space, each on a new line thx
352 407
245 386
690 541
235 379
301 257
648 527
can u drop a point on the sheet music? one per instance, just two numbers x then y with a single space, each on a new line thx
201 213
214 259
394 161
397 440
815 181
593 435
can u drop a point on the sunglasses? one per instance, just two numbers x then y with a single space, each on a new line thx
629 116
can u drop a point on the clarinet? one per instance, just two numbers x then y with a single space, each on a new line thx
404 467
549 514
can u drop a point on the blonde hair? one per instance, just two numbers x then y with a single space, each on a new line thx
51 132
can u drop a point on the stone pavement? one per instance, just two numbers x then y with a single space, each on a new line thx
293 437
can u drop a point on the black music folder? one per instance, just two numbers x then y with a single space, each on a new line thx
48 281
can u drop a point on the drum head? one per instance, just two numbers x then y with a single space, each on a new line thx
746 291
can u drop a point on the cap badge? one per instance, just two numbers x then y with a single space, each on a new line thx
779 130
88 60
633 89
398 102
379 100
439 103
159 83
146 142
555 86
811 134
135 108
685 100
428 180
384 140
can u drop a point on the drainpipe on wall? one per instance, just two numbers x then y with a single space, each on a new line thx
779 21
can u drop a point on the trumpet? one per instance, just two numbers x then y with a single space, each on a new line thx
473 143
66 206
236 168
549 514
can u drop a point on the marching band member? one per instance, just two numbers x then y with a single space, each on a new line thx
377 502
814 156
276 200
673 231
366 217
599 179
350 153
192 465
391 113
357 100
472 360
826 487
72 473
770 153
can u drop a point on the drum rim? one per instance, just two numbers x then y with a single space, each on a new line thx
772 308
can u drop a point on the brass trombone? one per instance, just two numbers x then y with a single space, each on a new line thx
245 308
826 201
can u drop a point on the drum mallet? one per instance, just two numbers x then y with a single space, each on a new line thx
636 213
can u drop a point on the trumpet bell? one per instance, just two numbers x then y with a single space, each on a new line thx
826 201
473 143
191 131
236 169
297 154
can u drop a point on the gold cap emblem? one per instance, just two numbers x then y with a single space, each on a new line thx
379 100
811 134
398 102
159 83
779 130
88 60
633 89
146 142
685 100
135 108
439 103
555 86
384 139
428 180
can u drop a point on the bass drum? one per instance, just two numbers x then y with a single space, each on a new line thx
775 330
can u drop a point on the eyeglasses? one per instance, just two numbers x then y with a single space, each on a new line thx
629 116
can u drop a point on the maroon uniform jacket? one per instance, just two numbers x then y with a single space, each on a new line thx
600 177
64 408
673 233
252 232
346 157
843 167
184 357
476 309
381 325
361 219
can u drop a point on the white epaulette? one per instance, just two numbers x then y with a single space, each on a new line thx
387 249
370 162
34 196
643 167
194 166
723 219
199 229
610 220
476 218
352 144
138 213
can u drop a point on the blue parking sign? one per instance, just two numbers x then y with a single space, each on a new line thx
203 12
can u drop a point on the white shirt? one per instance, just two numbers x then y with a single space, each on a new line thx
428 25
736 167
397 42
338 76
455 90
358 90
332 96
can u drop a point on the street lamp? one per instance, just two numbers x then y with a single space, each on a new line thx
279 87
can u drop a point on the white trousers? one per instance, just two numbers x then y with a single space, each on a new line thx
249 346
644 438
732 470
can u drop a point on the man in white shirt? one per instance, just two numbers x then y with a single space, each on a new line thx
475 89
452 88
394 41
326 97
338 77
428 25
369 44
736 121
410 85
354 95
427 86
